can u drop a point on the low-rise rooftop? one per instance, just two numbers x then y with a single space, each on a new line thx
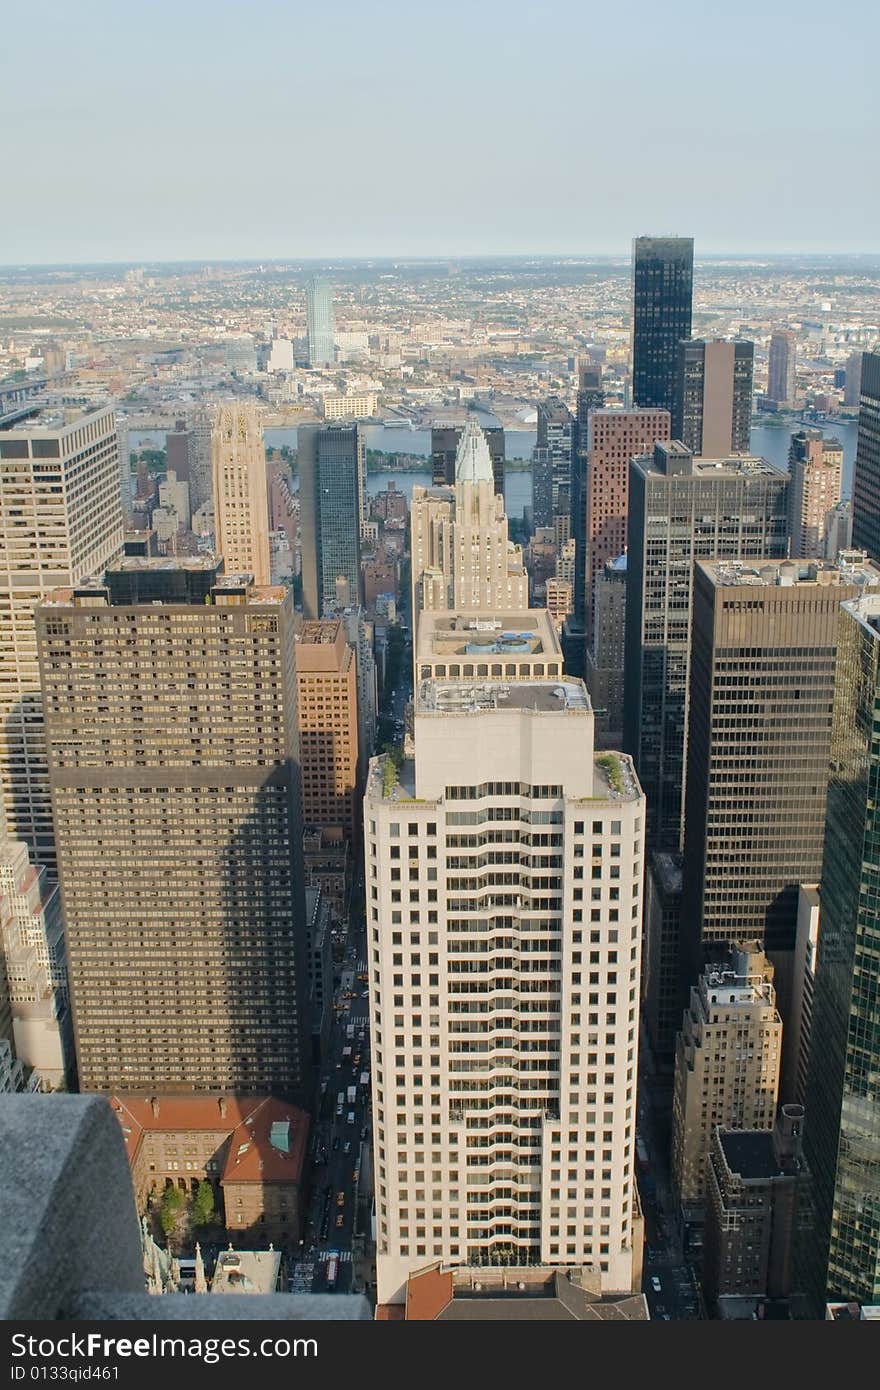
439 697
851 567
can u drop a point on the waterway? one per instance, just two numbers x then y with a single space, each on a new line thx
769 441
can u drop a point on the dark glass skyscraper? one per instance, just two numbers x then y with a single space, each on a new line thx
331 489
663 274
866 479
590 397
842 1140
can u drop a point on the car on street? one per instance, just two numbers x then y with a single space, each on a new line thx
655 1284
340 1220
347 1149
340 1199
336 1144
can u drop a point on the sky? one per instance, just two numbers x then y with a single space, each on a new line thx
204 129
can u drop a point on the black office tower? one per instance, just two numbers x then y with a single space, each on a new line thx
866 479
663 273
331 486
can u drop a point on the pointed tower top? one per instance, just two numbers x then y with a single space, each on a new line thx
473 462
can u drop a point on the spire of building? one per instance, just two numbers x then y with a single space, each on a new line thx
201 1285
473 462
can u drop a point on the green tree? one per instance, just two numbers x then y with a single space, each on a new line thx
203 1205
172 1201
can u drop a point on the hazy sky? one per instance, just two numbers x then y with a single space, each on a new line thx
210 129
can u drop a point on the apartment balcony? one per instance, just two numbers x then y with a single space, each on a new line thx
70 1241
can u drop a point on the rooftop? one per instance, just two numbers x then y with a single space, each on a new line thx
565 696
473 462
851 567
442 634
246 1271
672 459
750 1153
38 420
514 1295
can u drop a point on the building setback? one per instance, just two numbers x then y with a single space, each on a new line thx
332 464
866 478
504 985
663 274
842 1142
170 699
712 408
60 520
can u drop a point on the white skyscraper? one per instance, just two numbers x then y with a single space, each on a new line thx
60 520
462 555
504 907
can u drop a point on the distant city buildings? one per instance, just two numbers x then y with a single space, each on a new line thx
712 404
60 520
321 325
781 376
171 726
663 273
241 504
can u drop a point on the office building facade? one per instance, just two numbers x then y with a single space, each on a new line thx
555 429
60 520
816 469
712 408
327 700
332 484
503 873
727 1057
170 701
590 397
663 276
605 654
842 1143
764 638
241 501
682 509
614 439
866 478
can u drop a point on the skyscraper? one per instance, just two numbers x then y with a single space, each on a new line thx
331 489
199 459
590 397
663 274
171 724
853 387
241 503
727 1058
445 439
816 468
605 655
60 519
326 677
555 428
712 409
759 734
461 553
842 1141
319 313
866 478
614 438
781 380
682 509
504 1086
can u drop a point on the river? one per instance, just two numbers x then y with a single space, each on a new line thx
769 441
